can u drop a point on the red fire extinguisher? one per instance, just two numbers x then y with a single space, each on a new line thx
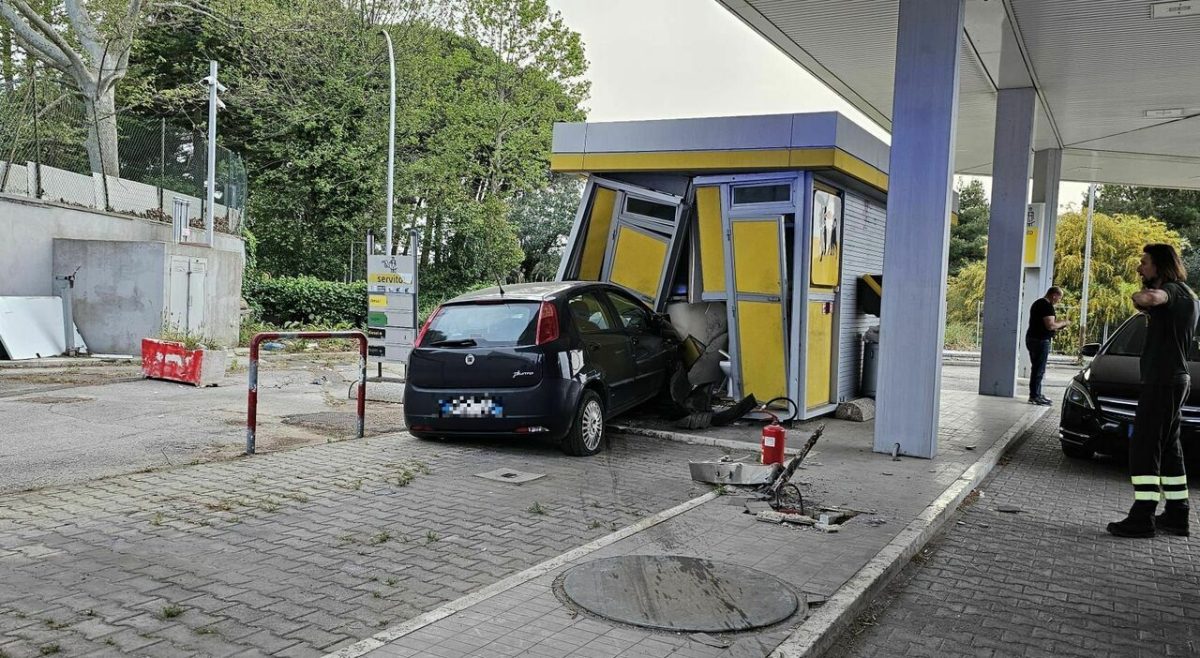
774 437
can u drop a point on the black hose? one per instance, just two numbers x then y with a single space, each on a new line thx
795 408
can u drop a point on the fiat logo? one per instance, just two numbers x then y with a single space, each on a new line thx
470 359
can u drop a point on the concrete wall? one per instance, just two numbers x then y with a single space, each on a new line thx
863 224
29 228
17 180
119 292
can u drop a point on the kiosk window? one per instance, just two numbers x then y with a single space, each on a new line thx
650 209
781 193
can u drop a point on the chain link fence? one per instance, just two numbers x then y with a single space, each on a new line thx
48 151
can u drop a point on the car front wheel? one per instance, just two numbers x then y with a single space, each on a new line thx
586 436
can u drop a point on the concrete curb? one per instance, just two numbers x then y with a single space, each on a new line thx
818 633
70 362
692 439
416 623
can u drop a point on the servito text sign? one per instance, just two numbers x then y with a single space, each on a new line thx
391 307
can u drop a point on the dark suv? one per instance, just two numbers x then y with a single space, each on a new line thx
543 359
1100 402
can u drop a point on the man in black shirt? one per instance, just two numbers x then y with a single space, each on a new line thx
1155 458
1042 326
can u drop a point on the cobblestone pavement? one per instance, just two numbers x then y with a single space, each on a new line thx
1044 581
300 552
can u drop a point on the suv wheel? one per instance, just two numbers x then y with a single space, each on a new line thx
586 436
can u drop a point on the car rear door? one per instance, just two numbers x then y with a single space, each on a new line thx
606 347
649 348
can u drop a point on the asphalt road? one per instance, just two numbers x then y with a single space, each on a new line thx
962 376
63 426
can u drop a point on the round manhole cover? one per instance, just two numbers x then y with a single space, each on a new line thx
679 593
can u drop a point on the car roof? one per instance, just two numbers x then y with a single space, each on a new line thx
524 292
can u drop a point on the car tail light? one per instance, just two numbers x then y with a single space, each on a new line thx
547 324
428 323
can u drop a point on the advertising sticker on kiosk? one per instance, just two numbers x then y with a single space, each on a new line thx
391 308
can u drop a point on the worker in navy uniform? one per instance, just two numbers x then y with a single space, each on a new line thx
1042 326
1155 457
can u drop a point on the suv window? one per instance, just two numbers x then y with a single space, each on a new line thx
633 315
498 325
1130 339
588 314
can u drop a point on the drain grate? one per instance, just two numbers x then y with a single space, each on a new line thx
509 475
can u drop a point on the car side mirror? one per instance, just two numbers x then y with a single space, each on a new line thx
1091 349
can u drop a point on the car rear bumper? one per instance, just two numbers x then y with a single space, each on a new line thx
546 410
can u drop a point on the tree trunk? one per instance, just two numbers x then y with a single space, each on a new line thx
102 133
6 60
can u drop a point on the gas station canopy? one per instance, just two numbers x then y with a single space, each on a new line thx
1117 81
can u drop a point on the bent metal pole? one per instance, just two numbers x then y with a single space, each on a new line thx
252 392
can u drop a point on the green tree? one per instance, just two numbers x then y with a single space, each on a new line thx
480 84
542 219
90 43
1179 209
969 236
1116 250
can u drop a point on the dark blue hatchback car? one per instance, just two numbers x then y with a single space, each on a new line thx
545 359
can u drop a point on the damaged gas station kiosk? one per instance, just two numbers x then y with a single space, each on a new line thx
760 236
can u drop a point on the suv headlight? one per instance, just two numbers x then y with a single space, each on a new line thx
1078 395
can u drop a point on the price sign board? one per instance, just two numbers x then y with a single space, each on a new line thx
391 308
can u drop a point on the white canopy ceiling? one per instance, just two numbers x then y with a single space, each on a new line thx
1099 67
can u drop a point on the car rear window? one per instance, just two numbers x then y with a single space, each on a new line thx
488 325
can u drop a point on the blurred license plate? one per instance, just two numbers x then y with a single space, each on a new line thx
471 407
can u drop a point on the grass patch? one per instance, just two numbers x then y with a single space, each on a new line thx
380 537
721 490
56 625
157 519
376 595
431 537
404 477
269 505
595 525
536 508
49 649
170 612
223 505
391 581
346 539
206 631
298 496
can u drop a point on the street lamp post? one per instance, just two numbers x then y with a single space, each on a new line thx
214 104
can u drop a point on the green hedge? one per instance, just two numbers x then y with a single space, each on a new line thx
306 300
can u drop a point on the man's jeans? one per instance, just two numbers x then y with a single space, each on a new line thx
1039 353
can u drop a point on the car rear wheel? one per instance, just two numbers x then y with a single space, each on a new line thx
586 436
1076 452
